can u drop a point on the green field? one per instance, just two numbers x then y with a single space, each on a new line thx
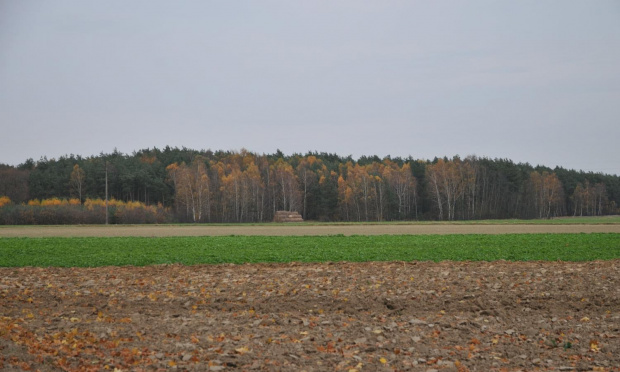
140 251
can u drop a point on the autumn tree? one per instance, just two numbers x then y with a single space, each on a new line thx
192 188
378 184
404 186
351 193
468 170
589 200
444 184
346 199
546 194
174 177
362 183
256 191
234 192
197 184
600 198
288 186
77 181
362 191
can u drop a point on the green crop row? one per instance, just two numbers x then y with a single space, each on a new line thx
139 251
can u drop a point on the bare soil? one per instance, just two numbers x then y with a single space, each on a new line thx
280 230
400 316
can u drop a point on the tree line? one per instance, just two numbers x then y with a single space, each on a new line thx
242 186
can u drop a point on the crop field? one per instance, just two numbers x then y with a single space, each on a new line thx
141 251
80 298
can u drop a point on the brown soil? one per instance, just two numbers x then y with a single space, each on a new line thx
317 317
275 230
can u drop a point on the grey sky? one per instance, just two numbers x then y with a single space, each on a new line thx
533 81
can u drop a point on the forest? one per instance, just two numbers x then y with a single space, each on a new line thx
185 185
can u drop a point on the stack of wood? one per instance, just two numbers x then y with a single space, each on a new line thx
286 216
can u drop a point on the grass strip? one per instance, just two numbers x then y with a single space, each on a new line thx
142 251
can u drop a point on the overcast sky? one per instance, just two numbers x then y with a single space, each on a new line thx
533 81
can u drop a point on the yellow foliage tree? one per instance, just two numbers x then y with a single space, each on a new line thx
192 188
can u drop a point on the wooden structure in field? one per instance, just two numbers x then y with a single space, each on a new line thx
287 216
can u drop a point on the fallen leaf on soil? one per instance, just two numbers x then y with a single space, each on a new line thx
242 350
594 346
